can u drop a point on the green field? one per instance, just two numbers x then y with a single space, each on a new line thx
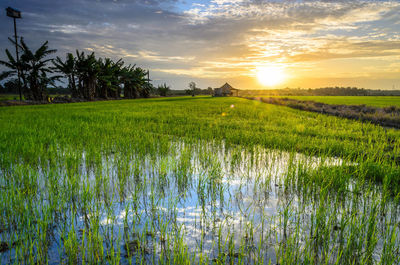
4 97
9 97
195 180
376 101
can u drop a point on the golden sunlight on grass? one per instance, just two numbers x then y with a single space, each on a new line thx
270 75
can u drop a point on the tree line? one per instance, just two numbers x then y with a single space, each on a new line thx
324 91
88 77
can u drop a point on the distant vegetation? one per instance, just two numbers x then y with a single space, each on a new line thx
376 101
326 91
163 89
199 91
187 92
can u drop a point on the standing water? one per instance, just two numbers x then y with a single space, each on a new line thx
198 203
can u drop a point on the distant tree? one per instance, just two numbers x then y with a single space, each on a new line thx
210 90
59 90
163 89
192 87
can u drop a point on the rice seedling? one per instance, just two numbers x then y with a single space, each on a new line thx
132 183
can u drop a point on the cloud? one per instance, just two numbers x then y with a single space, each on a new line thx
216 40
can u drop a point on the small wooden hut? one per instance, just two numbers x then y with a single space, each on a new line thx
226 90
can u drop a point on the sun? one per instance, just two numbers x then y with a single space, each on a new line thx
270 76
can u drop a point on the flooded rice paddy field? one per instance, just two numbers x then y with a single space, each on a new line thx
198 203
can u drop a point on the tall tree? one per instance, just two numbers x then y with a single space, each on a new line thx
68 68
134 80
88 71
139 77
109 78
192 87
35 66
33 69
12 65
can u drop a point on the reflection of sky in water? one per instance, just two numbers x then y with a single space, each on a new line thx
246 203
206 192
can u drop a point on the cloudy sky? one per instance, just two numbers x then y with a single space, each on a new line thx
312 43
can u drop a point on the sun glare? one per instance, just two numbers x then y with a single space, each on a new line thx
270 76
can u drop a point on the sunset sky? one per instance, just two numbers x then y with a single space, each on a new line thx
310 43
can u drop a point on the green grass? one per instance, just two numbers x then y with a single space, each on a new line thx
102 182
106 124
377 101
4 97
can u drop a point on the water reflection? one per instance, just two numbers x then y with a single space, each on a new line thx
225 203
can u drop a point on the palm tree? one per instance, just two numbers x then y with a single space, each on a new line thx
87 76
14 67
88 71
108 78
34 65
125 78
11 64
33 69
163 89
134 80
79 65
146 87
68 68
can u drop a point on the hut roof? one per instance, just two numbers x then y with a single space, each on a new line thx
227 86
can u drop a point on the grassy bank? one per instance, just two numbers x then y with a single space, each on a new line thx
376 101
386 116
